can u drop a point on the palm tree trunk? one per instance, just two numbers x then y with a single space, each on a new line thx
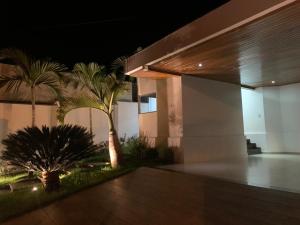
33 105
114 144
50 180
30 173
91 121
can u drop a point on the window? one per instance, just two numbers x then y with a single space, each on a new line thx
148 103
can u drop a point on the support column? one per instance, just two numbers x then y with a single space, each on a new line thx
212 121
162 113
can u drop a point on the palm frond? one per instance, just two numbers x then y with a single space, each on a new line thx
48 149
41 69
104 88
86 73
118 64
82 101
19 57
11 82
118 69
69 79
33 72
114 88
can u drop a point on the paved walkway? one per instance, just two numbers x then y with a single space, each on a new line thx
276 171
157 197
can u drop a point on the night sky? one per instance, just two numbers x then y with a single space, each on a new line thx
99 31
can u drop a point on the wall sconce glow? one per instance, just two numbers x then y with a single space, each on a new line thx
34 188
200 65
273 81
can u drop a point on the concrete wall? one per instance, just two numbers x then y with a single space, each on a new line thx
200 119
126 114
290 110
155 125
146 86
99 122
18 116
206 120
212 121
273 120
271 117
125 118
148 125
162 115
174 99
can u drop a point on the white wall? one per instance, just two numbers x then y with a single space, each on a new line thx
148 126
271 117
148 123
253 116
273 120
18 116
99 122
212 121
127 119
290 109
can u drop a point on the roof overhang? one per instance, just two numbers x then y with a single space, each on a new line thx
236 32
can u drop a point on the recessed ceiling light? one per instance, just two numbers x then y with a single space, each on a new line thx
200 65
273 81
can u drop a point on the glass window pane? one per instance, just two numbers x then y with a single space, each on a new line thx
148 103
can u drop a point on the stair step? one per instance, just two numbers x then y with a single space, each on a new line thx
254 151
252 148
251 145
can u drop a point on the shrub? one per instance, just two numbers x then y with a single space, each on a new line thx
151 154
137 148
101 155
134 147
48 151
166 154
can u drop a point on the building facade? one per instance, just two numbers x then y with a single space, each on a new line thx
228 76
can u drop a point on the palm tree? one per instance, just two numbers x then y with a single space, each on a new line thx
33 73
91 120
102 93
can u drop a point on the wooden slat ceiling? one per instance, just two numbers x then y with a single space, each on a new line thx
254 55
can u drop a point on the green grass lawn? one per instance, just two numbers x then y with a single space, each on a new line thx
11 179
24 200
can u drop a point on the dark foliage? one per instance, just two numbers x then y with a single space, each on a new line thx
137 148
48 149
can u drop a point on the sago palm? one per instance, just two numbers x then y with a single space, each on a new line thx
48 151
101 92
32 74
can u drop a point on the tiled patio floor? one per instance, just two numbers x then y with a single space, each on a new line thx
156 197
276 171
